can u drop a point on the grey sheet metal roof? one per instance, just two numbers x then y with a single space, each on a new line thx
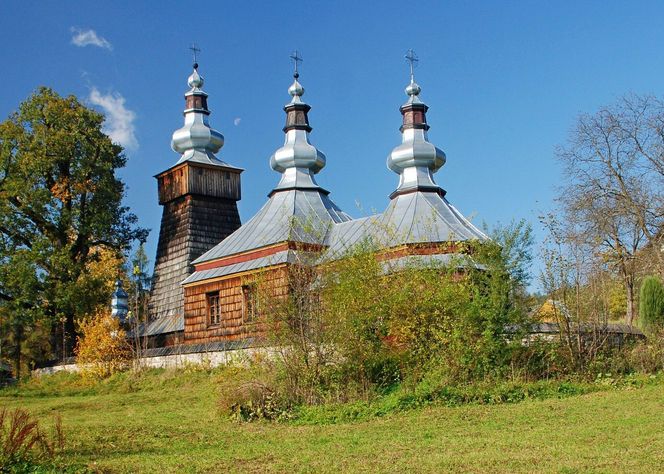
554 328
196 140
299 210
200 348
286 256
162 325
345 236
293 215
418 211
309 216
416 217
426 217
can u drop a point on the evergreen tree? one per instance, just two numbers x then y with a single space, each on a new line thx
651 303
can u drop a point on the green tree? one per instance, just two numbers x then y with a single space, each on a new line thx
515 243
60 203
140 283
651 303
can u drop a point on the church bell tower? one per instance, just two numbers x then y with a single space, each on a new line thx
199 196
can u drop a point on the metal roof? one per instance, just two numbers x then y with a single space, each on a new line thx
346 236
196 140
420 261
299 210
425 217
294 215
554 328
286 256
161 325
416 217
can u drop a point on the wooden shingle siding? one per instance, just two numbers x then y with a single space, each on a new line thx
199 211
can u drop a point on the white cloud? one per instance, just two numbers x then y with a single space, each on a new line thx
83 38
119 123
237 121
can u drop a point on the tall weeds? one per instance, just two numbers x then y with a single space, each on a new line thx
24 443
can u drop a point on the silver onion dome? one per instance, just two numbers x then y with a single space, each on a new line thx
296 91
297 152
297 160
415 159
413 91
195 81
119 302
196 140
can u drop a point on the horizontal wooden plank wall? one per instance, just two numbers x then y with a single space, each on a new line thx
194 178
272 283
214 182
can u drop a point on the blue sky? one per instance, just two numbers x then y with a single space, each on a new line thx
505 82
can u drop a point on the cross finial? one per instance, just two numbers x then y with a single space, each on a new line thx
195 50
296 59
411 57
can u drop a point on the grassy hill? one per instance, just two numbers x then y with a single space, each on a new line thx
169 422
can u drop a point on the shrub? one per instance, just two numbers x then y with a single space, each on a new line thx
651 303
648 356
248 394
102 349
359 325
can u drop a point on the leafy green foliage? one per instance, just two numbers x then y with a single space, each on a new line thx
515 242
356 327
651 303
60 204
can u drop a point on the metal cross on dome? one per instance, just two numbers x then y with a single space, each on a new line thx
195 49
411 57
296 59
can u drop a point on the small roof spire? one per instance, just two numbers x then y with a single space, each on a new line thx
416 159
413 89
196 140
195 81
412 59
119 302
298 160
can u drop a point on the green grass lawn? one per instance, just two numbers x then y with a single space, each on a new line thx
169 423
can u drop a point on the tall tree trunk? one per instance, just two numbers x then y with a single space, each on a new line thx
18 340
631 303
70 335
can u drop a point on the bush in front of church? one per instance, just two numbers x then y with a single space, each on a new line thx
102 349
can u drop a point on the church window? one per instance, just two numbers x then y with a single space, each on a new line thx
214 309
249 303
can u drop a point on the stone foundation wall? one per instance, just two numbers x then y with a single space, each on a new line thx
213 358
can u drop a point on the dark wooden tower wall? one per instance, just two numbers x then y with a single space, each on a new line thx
199 210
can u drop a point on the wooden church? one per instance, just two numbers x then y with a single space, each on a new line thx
207 263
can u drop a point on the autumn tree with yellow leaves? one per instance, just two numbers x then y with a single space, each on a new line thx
102 348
